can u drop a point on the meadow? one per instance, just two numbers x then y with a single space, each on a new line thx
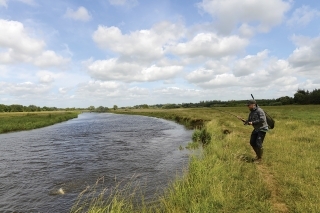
18 121
224 179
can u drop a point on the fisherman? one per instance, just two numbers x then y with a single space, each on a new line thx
257 118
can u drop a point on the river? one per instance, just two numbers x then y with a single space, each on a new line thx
36 165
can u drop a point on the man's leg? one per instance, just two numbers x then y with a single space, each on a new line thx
253 140
256 142
259 141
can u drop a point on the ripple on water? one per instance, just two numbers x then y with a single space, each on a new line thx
44 170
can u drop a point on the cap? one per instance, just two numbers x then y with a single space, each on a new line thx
251 102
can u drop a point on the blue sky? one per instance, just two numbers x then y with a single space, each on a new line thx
128 52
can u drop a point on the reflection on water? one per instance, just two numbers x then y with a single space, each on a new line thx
44 170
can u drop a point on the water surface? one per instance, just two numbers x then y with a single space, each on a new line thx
35 164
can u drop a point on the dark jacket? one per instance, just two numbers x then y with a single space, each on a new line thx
258 119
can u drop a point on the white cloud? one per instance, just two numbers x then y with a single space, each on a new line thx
114 69
258 70
63 90
50 59
81 14
3 3
14 36
129 3
228 14
210 45
19 47
172 93
109 89
141 54
4 72
142 45
249 64
29 2
138 92
303 16
309 85
306 57
47 77
12 56
219 66
25 89
218 81
246 30
200 75
155 73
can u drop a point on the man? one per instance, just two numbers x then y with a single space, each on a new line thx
257 119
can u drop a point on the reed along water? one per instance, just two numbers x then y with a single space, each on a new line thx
37 165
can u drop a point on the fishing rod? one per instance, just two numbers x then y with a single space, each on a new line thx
243 120
270 120
254 100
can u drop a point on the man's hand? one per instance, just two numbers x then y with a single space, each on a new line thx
241 119
247 123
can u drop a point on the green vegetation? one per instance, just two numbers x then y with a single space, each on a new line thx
16 121
33 108
201 136
222 179
301 97
92 200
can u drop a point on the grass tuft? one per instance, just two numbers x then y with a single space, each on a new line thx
14 121
224 179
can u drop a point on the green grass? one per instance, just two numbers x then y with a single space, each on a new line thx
15 121
222 179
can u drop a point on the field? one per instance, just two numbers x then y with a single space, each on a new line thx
223 178
17 121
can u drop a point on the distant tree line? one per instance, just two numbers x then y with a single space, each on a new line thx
21 108
98 109
306 97
102 109
300 97
33 108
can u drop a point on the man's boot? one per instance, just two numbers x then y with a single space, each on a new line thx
259 152
255 149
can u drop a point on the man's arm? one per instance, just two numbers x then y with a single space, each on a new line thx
248 122
260 119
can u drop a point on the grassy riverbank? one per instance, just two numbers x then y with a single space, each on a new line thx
18 121
223 179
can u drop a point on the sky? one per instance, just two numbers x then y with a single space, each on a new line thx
68 53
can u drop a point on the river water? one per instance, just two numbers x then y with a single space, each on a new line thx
36 165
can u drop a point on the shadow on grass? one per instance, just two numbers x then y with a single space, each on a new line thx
245 158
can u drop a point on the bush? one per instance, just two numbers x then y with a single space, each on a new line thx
275 104
201 135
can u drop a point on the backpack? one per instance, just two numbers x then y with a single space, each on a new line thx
270 121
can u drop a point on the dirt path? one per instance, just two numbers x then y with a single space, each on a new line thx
277 204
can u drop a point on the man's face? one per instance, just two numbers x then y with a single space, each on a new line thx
251 106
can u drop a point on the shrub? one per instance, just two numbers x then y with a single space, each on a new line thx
201 135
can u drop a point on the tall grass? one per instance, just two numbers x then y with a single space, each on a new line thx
223 179
12 121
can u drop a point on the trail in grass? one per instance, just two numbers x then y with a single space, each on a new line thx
277 204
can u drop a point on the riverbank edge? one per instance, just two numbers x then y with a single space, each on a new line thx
23 121
218 181
189 122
